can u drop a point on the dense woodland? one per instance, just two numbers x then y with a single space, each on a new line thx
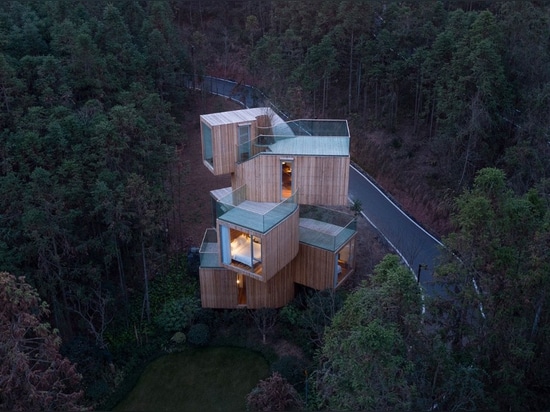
91 103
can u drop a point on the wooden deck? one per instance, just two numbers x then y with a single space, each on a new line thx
323 234
258 216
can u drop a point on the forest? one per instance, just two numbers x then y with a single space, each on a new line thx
448 104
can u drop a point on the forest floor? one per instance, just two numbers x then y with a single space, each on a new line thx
395 161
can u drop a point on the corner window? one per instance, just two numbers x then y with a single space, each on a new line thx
244 143
207 153
240 249
344 262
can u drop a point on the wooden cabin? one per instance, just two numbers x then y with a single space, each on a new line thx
270 232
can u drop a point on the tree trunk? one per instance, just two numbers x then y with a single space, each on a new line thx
358 89
121 274
146 306
350 72
417 102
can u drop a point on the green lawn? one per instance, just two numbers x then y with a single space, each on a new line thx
211 379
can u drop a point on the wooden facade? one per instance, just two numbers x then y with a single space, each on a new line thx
315 267
220 290
279 246
315 171
316 179
225 135
275 293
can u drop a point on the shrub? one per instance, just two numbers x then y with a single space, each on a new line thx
199 334
97 390
274 394
177 315
178 338
291 368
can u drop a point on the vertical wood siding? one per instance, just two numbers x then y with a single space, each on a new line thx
279 245
218 288
275 293
313 267
319 180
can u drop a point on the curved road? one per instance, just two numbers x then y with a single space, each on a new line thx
418 248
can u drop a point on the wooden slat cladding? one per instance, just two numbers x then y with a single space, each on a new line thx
313 267
224 145
279 245
319 180
218 288
261 175
275 293
224 141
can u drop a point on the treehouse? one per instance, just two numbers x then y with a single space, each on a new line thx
273 228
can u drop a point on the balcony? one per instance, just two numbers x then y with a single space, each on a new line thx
299 137
259 217
209 250
325 228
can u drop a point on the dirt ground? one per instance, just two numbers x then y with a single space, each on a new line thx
192 182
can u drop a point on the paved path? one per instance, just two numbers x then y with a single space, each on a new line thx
418 248
414 244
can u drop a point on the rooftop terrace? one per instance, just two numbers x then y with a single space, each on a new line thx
256 216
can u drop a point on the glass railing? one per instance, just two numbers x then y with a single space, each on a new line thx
292 145
257 216
261 144
319 127
230 201
209 251
325 228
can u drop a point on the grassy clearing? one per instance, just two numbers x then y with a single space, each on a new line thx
210 379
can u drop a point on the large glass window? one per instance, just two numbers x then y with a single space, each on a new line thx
244 142
241 249
207 144
344 262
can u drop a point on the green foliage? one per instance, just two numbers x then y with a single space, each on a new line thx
178 338
356 207
172 285
178 314
199 334
292 369
304 320
364 355
495 291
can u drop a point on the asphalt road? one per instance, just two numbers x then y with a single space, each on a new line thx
418 248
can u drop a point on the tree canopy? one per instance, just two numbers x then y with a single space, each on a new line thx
33 374
89 92
497 282
364 357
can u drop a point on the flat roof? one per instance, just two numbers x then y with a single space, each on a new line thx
313 137
258 216
311 146
240 116
324 235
